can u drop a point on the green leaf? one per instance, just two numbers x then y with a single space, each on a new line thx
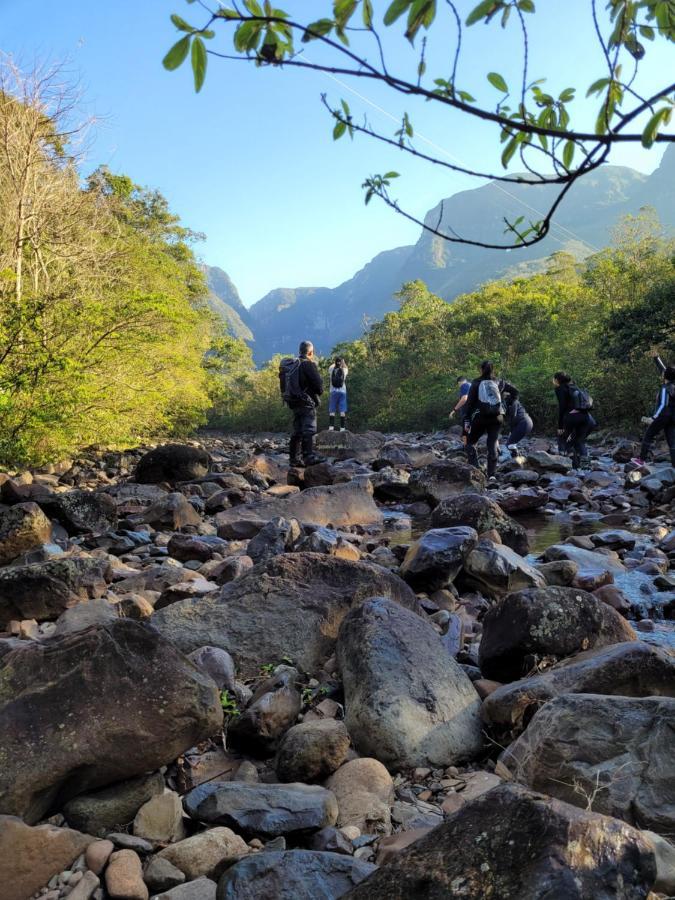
181 23
339 130
509 150
653 125
247 36
343 10
597 86
395 11
320 28
567 95
367 13
199 59
568 154
496 80
253 7
526 6
226 13
481 11
390 175
176 55
422 12
647 32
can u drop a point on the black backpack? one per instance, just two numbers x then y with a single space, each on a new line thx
337 378
581 399
289 381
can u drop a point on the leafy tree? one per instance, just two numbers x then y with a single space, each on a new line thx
537 126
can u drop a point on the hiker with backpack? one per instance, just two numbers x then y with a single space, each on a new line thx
301 386
337 399
575 420
663 418
484 415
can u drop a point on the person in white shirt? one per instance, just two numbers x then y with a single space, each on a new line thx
337 399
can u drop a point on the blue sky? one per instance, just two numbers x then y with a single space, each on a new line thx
250 161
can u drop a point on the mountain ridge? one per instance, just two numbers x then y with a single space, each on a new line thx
583 225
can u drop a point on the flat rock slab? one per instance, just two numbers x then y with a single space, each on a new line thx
482 513
338 505
630 669
614 753
290 605
512 842
408 702
293 875
97 706
263 810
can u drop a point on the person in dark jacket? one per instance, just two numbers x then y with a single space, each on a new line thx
483 420
574 425
517 420
301 386
663 418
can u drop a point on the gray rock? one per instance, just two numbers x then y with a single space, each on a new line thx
43 590
199 889
445 478
435 558
272 710
551 623
612 754
263 810
629 669
82 511
311 751
275 537
482 513
82 615
103 811
161 875
293 875
87 709
541 461
408 703
290 605
337 505
217 664
499 570
511 842
172 463
23 527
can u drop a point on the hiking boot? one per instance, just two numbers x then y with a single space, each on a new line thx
331 427
492 481
343 429
636 461
513 450
296 464
314 459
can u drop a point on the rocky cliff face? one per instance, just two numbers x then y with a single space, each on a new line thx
583 225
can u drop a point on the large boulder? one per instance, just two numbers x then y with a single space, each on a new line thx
267 810
43 590
30 857
293 875
482 513
435 558
271 711
206 854
527 626
172 463
445 478
348 445
23 527
512 842
610 754
497 569
83 511
407 701
94 707
172 511
542 461
338 505
291 605
630 669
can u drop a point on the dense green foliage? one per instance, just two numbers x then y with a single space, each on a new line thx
403 370
103 328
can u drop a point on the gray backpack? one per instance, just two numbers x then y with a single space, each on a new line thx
490 401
